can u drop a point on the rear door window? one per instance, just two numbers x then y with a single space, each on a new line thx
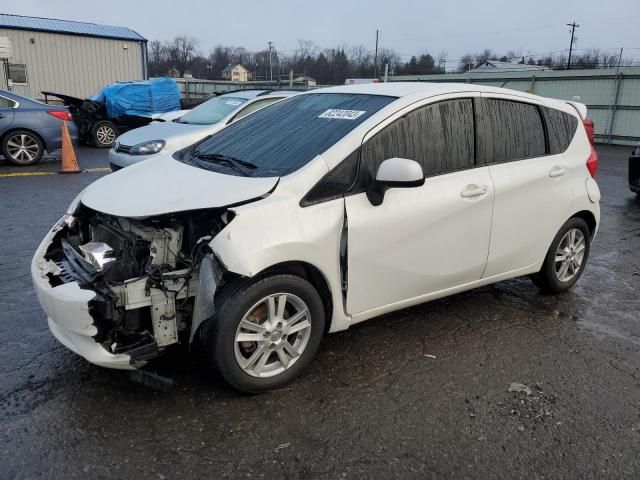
439 136
508 131
561 128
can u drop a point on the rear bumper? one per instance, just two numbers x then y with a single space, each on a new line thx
53 136
67 310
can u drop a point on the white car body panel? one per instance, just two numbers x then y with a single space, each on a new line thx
420 240
288 232
524 189
168 185
168 116
412 248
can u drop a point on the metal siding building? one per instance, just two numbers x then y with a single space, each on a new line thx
73 58
612 95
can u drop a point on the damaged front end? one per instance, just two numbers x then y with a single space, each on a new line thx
134 286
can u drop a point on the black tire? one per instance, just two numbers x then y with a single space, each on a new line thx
103 134
31 151
547 278
233 304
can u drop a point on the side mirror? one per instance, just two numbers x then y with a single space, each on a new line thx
395 173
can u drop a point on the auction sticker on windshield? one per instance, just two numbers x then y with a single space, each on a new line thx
342 114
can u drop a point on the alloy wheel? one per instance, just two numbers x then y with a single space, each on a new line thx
272 335
569 255
105 135
23 148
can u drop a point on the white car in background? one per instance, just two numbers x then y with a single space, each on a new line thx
192 126
317 213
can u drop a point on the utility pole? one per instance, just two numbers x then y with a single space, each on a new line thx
573 30
375 58
270 67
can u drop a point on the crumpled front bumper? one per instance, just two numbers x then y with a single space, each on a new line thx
67 309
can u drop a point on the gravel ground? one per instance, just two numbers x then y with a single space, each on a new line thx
423 392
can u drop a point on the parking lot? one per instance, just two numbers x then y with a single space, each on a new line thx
420 393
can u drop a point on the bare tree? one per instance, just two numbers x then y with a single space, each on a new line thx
157 59
306 50
486 54
467 62
180 53
442 60
361 60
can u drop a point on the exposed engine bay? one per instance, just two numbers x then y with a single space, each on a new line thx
146 275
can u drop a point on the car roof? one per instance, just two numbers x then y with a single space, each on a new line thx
246 94
20 98
403 89
281 93
418 90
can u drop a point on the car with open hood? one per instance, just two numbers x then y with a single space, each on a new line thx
318 212
190 127
120 107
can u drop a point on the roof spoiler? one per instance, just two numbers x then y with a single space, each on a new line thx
581 108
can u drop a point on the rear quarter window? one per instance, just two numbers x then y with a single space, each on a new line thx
561 128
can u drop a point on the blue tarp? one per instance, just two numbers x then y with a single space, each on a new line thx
142 98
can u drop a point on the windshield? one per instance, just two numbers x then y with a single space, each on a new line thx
212 111
280 139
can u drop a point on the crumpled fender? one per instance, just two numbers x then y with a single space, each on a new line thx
276 230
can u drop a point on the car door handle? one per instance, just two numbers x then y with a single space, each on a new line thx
474 191
557 171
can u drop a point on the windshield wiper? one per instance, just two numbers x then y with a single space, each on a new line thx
235 163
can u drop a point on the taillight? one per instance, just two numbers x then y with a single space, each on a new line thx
590 128
592 162
61 114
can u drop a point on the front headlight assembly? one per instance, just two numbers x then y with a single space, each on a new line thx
147 148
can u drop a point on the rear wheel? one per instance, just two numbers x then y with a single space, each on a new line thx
265 332
22 147
103 134
566 258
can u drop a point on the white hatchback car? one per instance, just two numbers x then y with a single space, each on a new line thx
191 126
321 211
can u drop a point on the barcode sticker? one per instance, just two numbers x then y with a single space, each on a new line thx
342 114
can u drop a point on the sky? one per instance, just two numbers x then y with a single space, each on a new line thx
408 26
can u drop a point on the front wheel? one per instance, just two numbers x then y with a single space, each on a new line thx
566 258
103 134
265 332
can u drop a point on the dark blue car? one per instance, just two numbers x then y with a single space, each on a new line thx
28 128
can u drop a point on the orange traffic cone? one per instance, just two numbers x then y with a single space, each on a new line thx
69 161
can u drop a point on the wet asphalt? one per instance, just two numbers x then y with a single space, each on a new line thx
420 393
